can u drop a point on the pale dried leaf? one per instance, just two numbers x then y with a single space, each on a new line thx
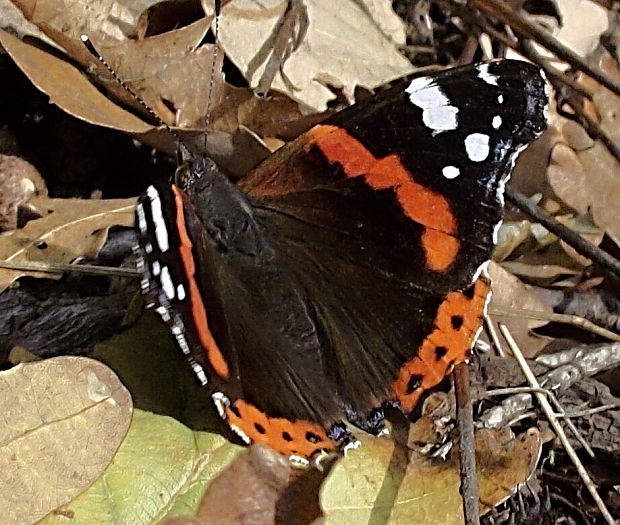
73 228
365 55
14 21
581 26
63 420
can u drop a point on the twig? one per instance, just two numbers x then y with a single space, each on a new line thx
288 34
504 13
573 320
467 446
557 427
566 234
589 411
90 269
522 47
556 77
554 400
488 322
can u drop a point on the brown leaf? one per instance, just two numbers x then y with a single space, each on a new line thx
259 487
583 173
510 293
63 419
19 181
72 228
52 76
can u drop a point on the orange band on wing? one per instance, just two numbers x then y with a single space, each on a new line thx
293 438
456 324
214 354
420 204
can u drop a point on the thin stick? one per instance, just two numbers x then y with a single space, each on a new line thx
55 268
493 335
549 412
467 445
566 234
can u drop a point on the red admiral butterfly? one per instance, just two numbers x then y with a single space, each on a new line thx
345 272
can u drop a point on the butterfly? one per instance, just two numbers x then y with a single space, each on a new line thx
345 273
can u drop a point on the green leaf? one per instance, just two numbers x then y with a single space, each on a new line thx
161 468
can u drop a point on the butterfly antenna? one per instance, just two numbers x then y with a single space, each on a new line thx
217 8
91 49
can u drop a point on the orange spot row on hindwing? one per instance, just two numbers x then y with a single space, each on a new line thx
420 204
293 438
457 322
199 312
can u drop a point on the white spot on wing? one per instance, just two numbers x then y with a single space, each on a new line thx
486 76
155 268
141 218
477 146
221 402
148 247
199 371
450 172
163 313
180 292
244 437
496 122
161 233
167 284
500 99
437 112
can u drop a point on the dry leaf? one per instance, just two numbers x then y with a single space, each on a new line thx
510 293
73 228
583 173
52 76
19 181
260 486
365 55
581 25
63 419
377 484
161 468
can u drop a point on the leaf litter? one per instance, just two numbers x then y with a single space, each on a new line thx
170 71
